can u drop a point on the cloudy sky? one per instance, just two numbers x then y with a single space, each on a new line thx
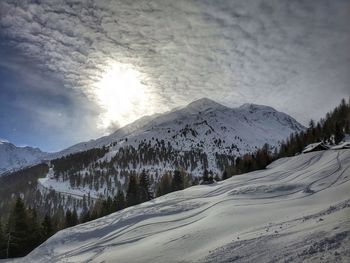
73 70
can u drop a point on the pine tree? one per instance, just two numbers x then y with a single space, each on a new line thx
205 175
347 127
17 230
119 201
107 206
187 179
224 175
34 233
2 242
338 133
177 182
132 194
85 217
311 124
165 185
95 212
46 227
71 218
74 217
145 194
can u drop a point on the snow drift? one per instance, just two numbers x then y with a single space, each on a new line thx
297 209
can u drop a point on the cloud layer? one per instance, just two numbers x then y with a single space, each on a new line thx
293 55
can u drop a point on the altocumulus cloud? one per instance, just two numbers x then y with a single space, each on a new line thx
293 55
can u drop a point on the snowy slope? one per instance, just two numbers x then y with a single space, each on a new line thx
296 210
247 127
14 157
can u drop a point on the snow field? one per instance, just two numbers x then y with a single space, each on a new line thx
297 209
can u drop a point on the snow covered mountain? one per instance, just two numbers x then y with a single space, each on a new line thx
202 135
296 210
201 124
14 157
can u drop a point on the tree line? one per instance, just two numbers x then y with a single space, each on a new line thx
331 130
138 191
23 231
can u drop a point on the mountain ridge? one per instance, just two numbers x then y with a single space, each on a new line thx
196 107
196 113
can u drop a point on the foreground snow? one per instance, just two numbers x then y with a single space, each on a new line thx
297 209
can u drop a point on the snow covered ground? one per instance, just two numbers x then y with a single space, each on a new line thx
63 187
298 209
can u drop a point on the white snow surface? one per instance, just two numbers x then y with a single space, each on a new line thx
296 210
344 145
49 183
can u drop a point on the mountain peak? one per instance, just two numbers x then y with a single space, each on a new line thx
204 104
13 157
3 141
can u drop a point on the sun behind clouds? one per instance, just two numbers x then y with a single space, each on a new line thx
121 94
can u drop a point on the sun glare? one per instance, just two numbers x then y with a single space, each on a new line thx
121 94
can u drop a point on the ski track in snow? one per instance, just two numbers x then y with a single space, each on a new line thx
298 209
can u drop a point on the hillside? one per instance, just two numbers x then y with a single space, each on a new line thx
297 209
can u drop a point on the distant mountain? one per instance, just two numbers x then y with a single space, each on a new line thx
14 157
